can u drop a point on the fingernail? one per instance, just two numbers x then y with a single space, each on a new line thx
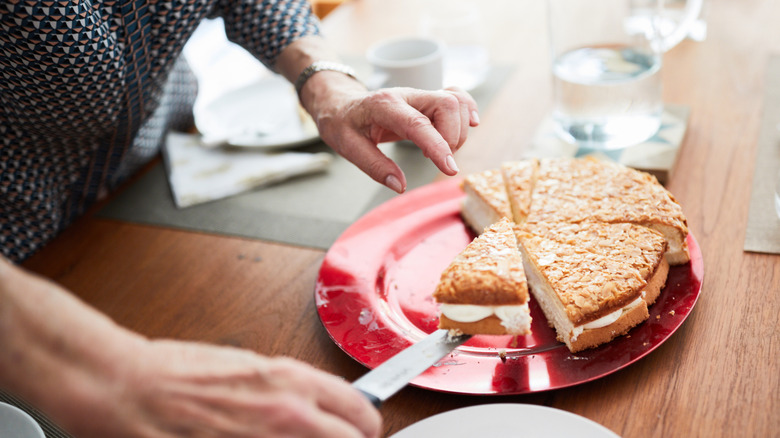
392 182
451 164
475 117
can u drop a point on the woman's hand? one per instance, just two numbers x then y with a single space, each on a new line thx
354 121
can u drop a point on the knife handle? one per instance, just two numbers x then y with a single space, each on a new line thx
372 398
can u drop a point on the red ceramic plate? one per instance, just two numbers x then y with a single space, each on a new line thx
374 291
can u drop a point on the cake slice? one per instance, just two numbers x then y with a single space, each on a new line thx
642 248
574 190
519 179
593 281
484 289
486 200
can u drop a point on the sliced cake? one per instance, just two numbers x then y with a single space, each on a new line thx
593 281
484 289
573 190
596 238
486 200
519 180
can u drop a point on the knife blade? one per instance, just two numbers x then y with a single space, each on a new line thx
393 374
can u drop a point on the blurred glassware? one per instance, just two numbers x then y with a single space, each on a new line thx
606 57
458 23
675 20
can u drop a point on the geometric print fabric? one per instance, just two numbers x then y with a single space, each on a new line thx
89 88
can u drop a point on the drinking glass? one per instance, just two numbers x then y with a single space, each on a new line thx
458 23
606 65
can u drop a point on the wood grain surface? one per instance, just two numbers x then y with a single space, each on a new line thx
719 375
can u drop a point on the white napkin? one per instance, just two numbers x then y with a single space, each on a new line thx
239 102
197 174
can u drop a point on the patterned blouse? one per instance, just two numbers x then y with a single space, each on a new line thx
89 87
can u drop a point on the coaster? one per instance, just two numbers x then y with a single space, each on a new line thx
656 156
763 222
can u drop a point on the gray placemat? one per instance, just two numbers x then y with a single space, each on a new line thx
310 210
763 226
307 211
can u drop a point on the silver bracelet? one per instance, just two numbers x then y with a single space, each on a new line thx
318 66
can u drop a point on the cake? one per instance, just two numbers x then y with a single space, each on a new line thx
596 240
519 180
486 199
593 281
573 190
484 289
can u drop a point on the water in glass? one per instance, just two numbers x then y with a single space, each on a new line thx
607 97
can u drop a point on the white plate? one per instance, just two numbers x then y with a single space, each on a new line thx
15 423
506 420
264 114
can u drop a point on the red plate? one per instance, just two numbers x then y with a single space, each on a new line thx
374 291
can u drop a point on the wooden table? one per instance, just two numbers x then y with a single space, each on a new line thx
719 375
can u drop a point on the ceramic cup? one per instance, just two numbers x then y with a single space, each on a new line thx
15 423
414 62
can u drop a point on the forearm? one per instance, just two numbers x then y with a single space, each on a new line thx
55 348
96 379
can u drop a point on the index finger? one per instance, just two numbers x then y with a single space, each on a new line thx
408 123
465 99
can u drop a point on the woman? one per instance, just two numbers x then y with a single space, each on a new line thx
88 90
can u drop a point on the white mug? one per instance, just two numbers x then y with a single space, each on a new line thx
415 62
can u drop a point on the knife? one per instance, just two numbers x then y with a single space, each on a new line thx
393 374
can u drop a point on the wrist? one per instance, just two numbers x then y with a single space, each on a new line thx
320 88
322 66
327 91
51 340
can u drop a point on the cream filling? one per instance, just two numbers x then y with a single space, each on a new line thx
515 318
604 320
674 238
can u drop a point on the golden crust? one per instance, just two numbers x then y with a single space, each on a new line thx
637 246
519 178
488 272
589 285
655 283
572 190
489 187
